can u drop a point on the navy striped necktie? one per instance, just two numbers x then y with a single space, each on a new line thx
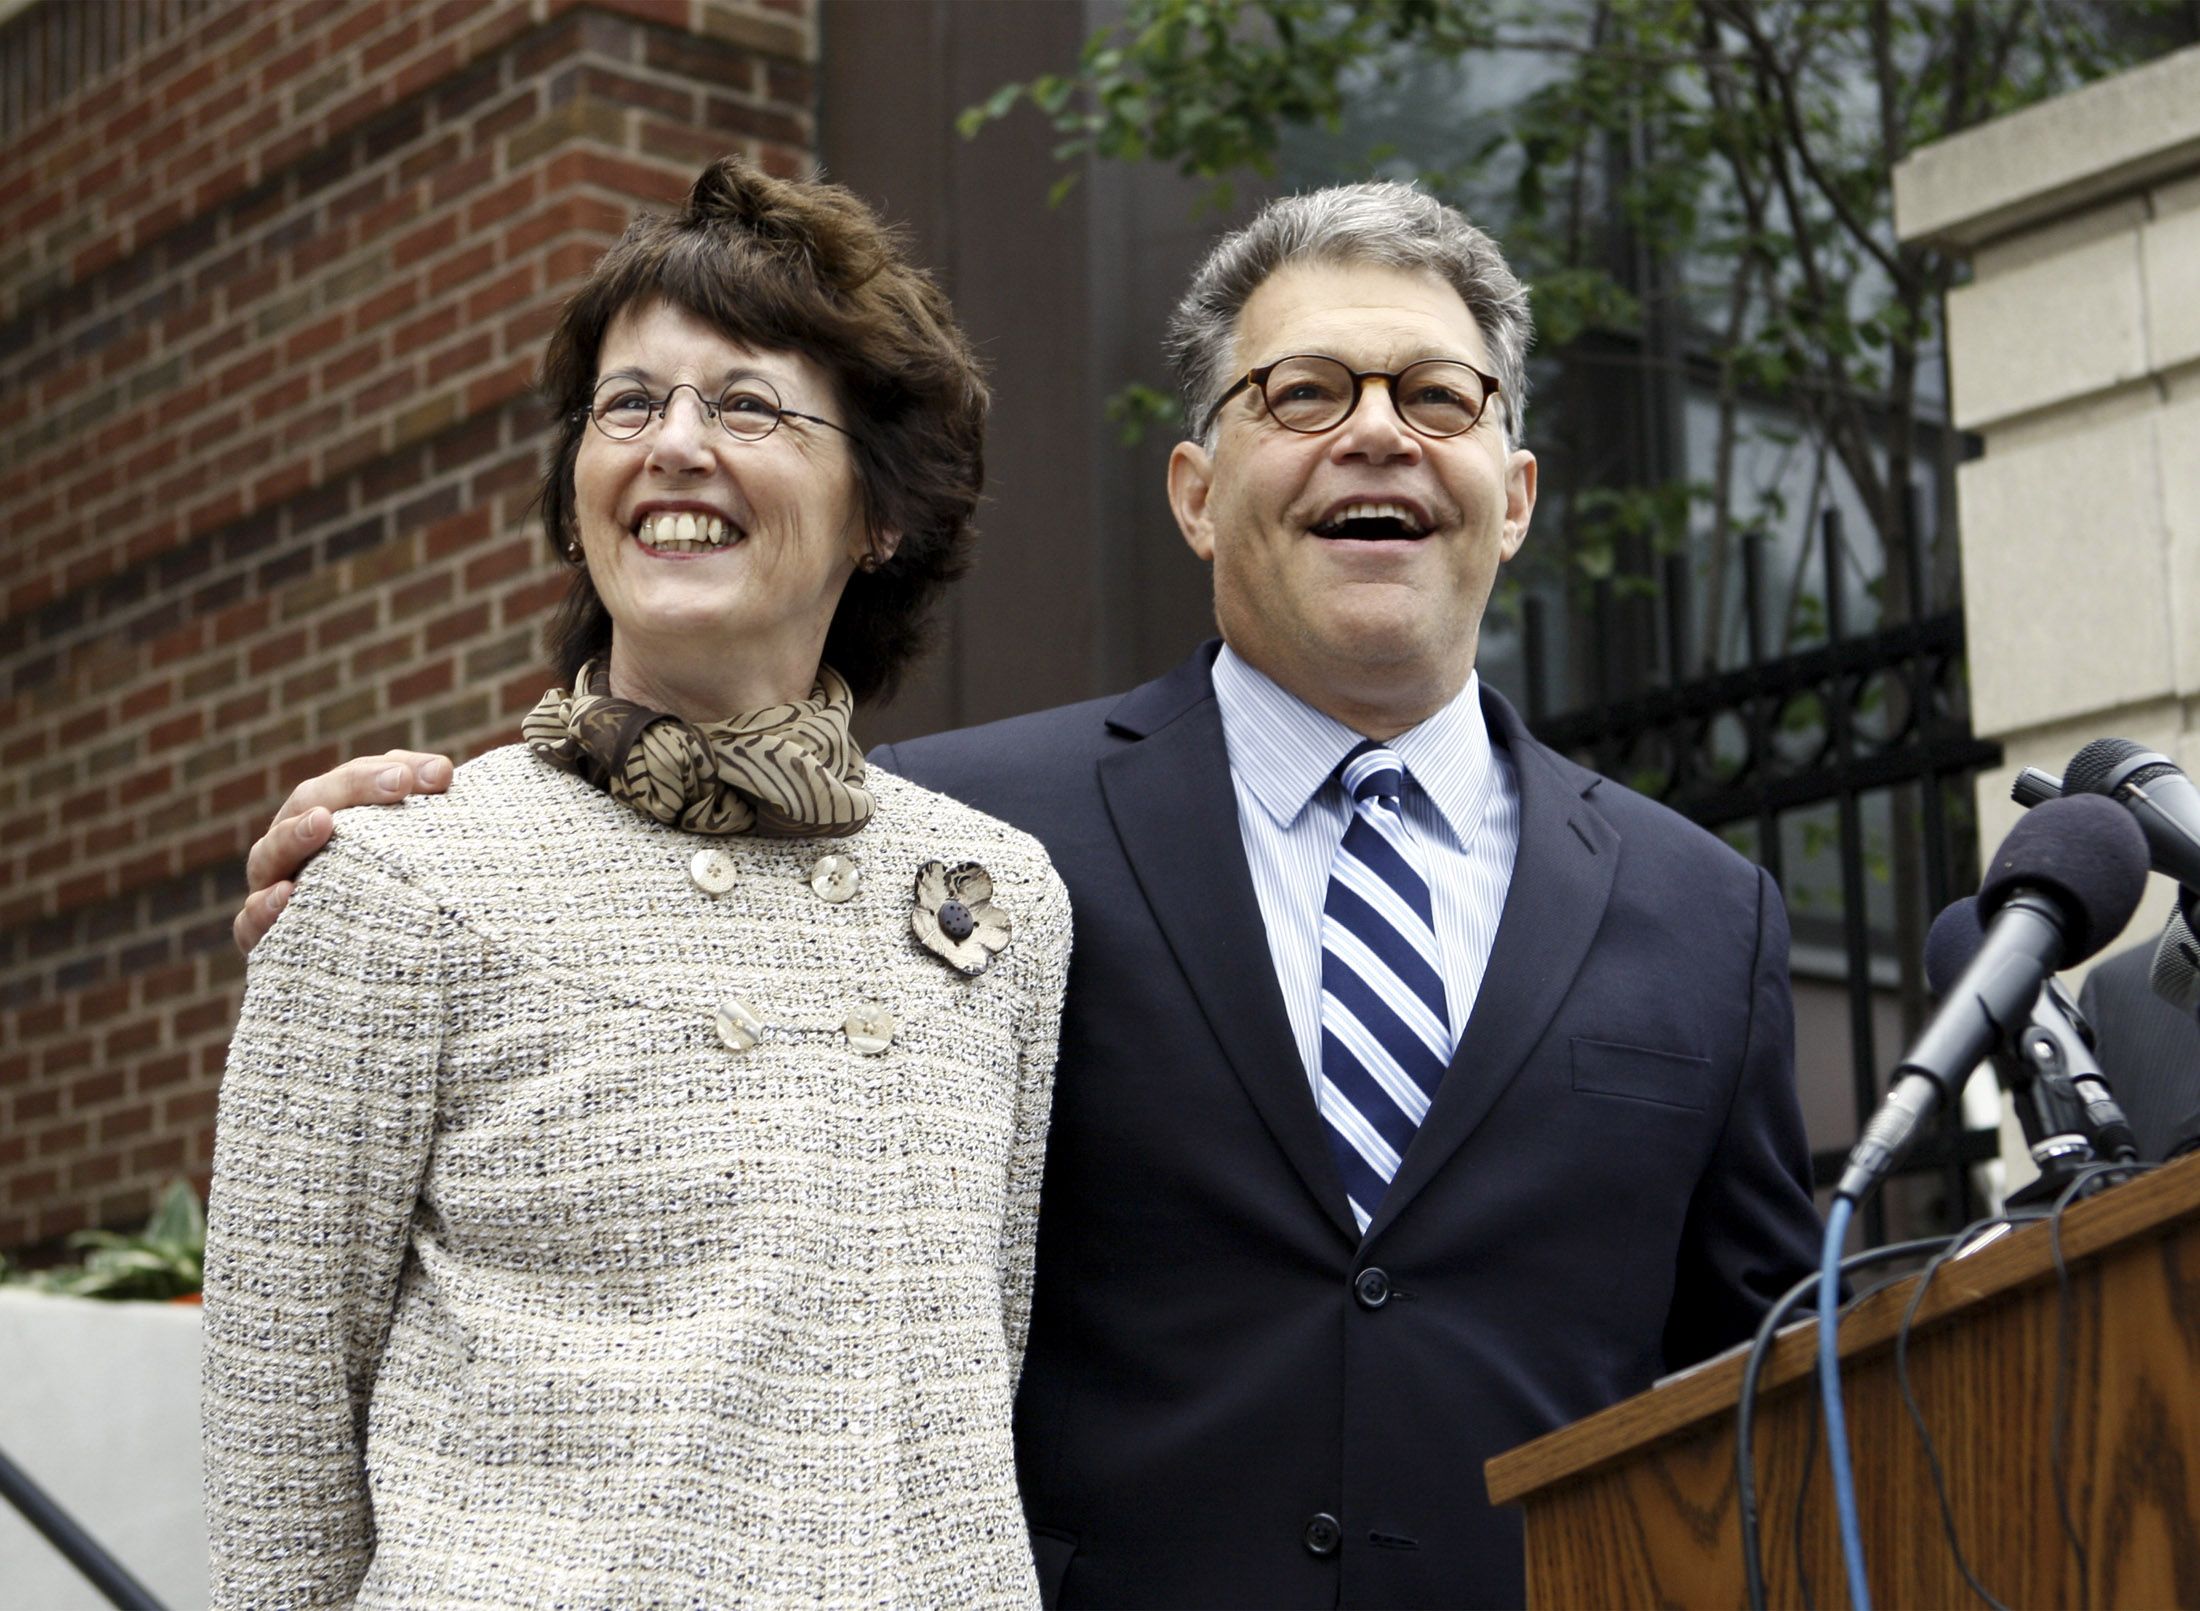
1386 1029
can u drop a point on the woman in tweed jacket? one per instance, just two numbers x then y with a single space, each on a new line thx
628 1161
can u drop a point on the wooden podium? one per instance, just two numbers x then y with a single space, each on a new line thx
1637 1505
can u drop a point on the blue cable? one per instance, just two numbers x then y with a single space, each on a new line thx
1829 1390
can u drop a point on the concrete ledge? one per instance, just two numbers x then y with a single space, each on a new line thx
2178 427
2074 151
99 1403
2066 577
2169 249
2014 360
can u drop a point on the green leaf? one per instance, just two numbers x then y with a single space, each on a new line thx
1139 407
164 1260
178 1221
990 110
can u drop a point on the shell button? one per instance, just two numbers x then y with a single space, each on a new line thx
713 871
737 1025
870 1029
1322 1535
957 921
1371 1287
835 878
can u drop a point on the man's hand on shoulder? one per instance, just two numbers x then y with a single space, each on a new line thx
304 823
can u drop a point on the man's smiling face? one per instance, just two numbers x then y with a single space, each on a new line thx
1353 566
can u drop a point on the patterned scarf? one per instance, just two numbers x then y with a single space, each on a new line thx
786 772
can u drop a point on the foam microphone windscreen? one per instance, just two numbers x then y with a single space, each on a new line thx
2085 853
1954 939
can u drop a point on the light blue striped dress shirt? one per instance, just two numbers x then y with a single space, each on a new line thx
1461 799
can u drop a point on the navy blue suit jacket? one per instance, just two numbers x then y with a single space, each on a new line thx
1611 1182
2149 1050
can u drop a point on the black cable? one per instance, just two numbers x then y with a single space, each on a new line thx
1884 1282
2064 1360
1802 1496
1954 1249
1745 1416
1746 1412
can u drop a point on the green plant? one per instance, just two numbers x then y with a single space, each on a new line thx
165 1260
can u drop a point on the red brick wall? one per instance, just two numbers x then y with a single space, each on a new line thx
273 282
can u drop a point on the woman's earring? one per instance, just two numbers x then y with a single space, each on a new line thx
869 564
573 549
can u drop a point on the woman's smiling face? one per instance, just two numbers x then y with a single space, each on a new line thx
720 560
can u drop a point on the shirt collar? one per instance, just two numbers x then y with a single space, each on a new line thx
1284 749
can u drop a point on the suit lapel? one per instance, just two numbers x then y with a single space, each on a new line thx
1562 879
1175 811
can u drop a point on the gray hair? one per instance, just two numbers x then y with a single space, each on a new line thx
1385 223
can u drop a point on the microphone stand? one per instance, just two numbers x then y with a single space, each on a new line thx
2049 1071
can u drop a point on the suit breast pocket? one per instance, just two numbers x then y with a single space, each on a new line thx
1638 1074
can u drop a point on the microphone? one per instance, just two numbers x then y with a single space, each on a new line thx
1951 943
2154 790
2065 1102
2175 976
2064 883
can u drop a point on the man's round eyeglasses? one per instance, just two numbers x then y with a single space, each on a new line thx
1309 393
748 408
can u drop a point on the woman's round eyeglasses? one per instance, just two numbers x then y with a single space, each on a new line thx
748 408
1309 393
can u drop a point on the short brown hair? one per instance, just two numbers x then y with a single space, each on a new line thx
805 267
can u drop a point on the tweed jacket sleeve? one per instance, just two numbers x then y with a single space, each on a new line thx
331 1086
1037 1036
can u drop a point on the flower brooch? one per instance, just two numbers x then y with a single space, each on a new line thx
955 916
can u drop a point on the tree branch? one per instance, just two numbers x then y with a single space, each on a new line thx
1771 70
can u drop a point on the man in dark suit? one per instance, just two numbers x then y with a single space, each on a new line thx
1298 1278
2149 1049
